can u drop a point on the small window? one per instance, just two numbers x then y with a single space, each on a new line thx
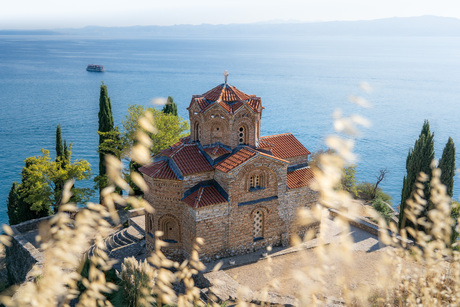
241 135
256 182
258 225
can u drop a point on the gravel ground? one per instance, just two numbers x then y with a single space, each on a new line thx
257 276
298 271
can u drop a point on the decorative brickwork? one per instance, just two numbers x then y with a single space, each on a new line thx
226 184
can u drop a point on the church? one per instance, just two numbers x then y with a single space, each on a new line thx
225 183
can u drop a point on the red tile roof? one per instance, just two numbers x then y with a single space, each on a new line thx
299 178
226 93
240 157
235 160
283 145
217 150
204 196
228 97
159 169
188 158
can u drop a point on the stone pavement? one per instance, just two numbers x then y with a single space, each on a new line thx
226 288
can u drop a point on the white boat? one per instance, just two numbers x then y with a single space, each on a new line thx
95 68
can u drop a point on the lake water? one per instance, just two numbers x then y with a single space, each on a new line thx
301 81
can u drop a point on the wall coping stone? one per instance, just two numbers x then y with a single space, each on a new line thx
366 225
252 202
136 212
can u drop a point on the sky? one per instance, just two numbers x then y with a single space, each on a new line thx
48 14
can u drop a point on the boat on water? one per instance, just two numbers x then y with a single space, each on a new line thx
95 68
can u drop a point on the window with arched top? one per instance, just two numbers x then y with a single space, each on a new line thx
170 228
242 135
258 225
149 225
196 130
256 182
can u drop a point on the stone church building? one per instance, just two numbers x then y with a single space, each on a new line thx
225 183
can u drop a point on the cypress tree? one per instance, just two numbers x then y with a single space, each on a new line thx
60 156
105 125
105 111
12 205
447 166
59 148
170 107
418 160
67 152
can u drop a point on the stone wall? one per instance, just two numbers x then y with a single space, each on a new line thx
297 160
216 125
293 201
273 171
22 255
30 225
193 179
215 233
241 226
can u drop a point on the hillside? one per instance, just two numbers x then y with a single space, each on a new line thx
398 26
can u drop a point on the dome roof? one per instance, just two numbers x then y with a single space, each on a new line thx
228 97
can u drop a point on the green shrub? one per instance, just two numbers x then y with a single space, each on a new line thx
381 207
366 189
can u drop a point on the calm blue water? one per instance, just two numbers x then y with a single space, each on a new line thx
43 83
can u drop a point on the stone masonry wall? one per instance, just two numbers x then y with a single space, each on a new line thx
223 180
165 197
212 226
274 173
193 179
241 239
21 256
216 125
294 200
245 202
297 160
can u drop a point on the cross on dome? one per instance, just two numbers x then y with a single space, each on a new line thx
226 75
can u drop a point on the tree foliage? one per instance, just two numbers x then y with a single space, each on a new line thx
111 145
366 192
107 136
59 146
418 160
447 166
42 177
17 210
41 188
105 111
348 181
170 107
170 128
62 156
382 207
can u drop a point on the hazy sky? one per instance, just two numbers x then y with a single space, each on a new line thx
29 14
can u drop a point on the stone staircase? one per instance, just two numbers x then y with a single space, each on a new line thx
119 240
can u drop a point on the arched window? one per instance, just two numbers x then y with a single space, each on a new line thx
196 135
170 229
258 225
256 182
150 223
242 135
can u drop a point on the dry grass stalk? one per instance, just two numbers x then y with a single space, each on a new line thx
433 279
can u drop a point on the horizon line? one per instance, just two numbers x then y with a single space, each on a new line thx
267 22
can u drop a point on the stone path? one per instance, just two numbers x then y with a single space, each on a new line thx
255 271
